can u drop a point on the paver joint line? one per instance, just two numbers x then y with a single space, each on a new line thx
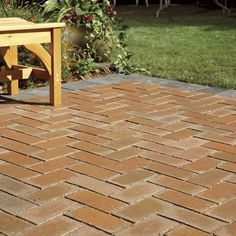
131 156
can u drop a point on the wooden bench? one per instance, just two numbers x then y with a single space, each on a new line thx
15 32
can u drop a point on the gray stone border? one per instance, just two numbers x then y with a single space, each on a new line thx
115 78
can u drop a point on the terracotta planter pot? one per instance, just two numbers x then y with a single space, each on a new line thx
102 48
76 35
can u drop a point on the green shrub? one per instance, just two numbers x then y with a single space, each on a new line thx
105 31
104 28
22 9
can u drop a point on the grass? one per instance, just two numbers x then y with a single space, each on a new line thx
194 46
186 44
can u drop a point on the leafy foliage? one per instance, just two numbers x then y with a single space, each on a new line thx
105 33
22 9
105 30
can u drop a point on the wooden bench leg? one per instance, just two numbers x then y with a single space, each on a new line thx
10 56
13 87
55 80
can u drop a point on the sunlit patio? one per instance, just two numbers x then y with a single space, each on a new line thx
122 155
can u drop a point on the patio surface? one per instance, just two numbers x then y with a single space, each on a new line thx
126 157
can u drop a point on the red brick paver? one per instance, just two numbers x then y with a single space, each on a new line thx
124 159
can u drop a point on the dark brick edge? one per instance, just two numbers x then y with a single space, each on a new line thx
116 78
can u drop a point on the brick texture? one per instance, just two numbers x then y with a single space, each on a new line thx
93 171
169 170
228 230
48 211
186 230
185 200
54 164
94 185
15 187
18 159
52 178
14 205
129 158
124 153
11 225
52 192
176 184
55 153
99 219
152 226
17 146
93 159
88 231
137 192
55 227
191 218
141 209
96 200
225 211
17 172
202 164
132 177
209 178
219 192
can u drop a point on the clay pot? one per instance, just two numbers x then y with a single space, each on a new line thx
76 35
103 46
101 49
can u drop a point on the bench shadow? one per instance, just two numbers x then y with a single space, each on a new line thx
7 100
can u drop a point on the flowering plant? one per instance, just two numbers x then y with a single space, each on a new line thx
104 33
98 19
76 12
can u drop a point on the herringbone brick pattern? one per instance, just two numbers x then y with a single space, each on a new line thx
124 159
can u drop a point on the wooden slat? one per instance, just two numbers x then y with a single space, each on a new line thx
9 74
10 56
42 54
12 20
21 38
25 71
6 55
21 26
40 74
55 80
15 32
37 73
10 23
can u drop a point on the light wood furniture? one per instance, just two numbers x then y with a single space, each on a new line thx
162 6
15 32
166 3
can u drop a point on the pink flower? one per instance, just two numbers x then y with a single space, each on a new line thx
88 18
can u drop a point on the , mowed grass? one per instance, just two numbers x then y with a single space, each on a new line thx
186 44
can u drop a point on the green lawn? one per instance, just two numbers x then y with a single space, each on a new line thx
196 48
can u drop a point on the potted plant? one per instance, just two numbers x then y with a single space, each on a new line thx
88 24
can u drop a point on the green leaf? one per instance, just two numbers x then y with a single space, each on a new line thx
61 14
80 11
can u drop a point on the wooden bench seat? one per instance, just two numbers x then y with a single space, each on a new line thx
16 32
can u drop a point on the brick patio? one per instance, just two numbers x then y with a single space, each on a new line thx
125 158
